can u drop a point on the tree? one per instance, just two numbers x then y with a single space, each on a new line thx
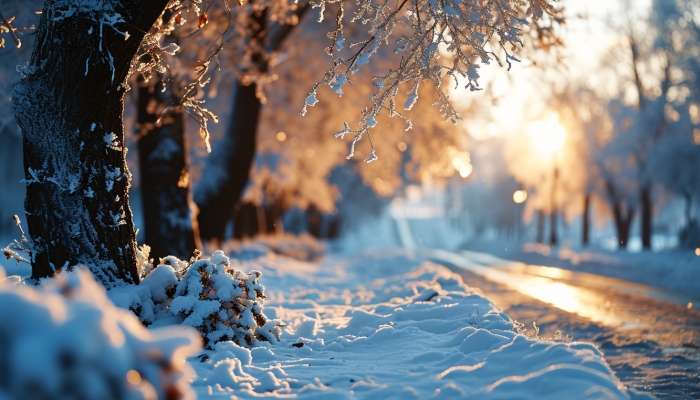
674 159
164 172
69 105
227 170
70 101
640 64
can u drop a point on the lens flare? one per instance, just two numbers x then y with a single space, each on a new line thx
547 136
519 196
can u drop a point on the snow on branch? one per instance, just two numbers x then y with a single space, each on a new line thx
151 57
210 295
24 246
6 27
470 32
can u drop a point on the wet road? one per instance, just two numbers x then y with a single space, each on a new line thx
650 338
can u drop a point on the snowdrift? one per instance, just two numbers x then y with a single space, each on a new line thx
67 340
382 324
387 325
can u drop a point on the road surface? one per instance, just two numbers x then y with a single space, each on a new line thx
650 338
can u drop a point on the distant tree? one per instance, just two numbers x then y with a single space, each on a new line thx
163 169
263 29
619 125
69 105
674 160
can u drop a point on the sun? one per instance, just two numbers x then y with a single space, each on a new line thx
547 136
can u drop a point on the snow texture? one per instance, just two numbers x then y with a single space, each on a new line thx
65 339
224 303
386 325
212 296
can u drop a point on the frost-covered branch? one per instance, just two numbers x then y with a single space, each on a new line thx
6 27
471 33
24 246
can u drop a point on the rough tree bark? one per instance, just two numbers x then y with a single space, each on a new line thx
69 105
164 176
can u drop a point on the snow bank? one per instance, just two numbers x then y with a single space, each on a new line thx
384 324
67 340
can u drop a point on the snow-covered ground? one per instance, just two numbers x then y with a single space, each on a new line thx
386 324
673 270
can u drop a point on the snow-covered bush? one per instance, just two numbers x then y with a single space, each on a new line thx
223 303
67 340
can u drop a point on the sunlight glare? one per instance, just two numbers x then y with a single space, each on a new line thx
462 164
466 170
493 129
547 136
519 196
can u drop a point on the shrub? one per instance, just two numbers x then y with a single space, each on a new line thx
221 302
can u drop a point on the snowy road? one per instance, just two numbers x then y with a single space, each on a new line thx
650 338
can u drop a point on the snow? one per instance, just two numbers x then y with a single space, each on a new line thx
375 324
387 324
67 340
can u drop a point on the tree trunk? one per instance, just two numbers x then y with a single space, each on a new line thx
622 224
164 175
688 208
245 221
646 211
69 105
227 169
586 218
314 221
553 228
540 226
276 211
553 211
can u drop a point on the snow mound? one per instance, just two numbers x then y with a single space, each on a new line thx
67 340
386 324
